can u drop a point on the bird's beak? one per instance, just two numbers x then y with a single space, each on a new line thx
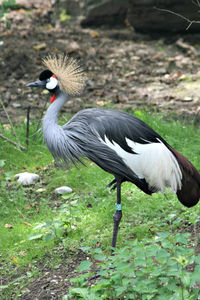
38 83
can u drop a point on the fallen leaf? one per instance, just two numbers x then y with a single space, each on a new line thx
22 253
100 103
27 224
49 26
21 10
40 46
8 226
14 259
91 51
6 126
73 47
98 93
31 205
63 16
28 206
40 190
94 33
3 89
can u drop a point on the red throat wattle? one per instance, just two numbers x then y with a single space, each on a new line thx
53 98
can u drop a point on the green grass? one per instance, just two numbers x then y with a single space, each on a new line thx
83 218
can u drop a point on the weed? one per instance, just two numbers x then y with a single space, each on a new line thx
148 269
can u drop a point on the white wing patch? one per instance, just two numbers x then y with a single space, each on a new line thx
153 161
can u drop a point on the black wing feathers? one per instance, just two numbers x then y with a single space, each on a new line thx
117 126
88 126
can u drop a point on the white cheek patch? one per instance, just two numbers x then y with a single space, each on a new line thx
52 83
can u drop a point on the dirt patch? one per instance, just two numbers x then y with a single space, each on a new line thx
123 68
54 284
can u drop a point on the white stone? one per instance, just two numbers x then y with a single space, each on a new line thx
27 178
63 190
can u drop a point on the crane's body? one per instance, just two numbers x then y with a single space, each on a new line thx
120 144
117 142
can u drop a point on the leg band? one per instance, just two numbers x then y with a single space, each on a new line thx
118 206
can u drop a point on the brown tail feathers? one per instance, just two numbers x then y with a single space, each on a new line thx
189 193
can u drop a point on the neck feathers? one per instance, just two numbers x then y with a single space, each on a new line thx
51 115
51 130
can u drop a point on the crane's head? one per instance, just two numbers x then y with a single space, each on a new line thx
63 75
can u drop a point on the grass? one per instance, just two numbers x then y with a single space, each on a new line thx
42 221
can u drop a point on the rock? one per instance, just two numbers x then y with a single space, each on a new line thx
154 16
63 190
146 16
26 178
109 12
16 105
72 47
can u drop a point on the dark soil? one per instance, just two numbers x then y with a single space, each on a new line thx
124 69
53 284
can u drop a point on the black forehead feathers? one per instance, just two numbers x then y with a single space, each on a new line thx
45 75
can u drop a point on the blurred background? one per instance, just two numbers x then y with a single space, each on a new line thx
135 53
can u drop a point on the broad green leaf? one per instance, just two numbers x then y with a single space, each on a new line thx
2 163
84 266
197 259
120 290
35 237
180 238
162 255
49 237
100 257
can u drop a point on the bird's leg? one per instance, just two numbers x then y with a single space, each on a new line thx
118 214
116 218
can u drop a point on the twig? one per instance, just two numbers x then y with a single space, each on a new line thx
13 143
27 124
9 120
20 213
180 16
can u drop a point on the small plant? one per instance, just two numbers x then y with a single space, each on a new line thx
58 228
6 4
158 269
51 230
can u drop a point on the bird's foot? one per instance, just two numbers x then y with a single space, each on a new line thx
95 276
112 185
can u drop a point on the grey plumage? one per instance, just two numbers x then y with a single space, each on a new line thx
117 142
80 138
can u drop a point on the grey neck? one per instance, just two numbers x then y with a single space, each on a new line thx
51 115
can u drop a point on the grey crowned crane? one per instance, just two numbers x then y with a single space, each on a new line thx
117 142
